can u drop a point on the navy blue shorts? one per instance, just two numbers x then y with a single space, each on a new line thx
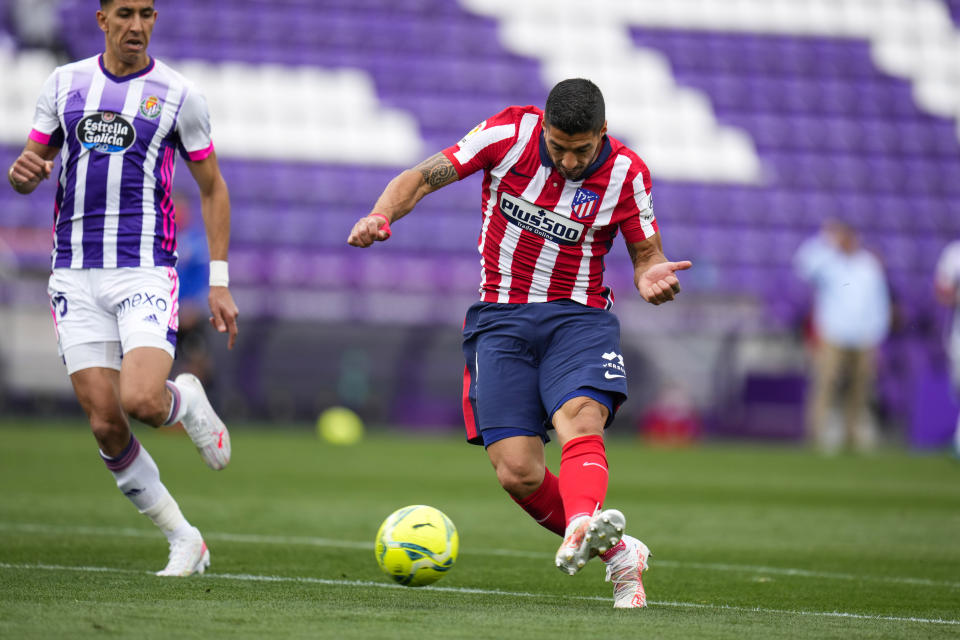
523 361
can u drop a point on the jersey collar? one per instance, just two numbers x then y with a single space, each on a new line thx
136 74
605 149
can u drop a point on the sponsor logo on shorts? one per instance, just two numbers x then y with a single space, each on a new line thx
151 107
138 300
106 132
152 319
613 365
543 222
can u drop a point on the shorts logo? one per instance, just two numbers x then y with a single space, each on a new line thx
152 319
584 204
543 222
151 107
59 303
106 132
143 300
613 365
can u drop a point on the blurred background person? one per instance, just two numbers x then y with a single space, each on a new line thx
947 283
193 261
851 318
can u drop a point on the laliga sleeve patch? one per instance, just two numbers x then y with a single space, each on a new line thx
472 132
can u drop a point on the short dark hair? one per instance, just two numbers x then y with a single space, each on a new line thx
105 3
575 106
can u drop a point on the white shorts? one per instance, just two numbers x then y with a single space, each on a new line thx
100 314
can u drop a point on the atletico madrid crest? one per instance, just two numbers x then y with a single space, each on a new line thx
585 204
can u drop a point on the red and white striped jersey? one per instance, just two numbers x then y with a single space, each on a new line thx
544 238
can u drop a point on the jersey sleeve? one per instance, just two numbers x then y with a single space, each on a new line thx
638 222
486 144
46 121
193 127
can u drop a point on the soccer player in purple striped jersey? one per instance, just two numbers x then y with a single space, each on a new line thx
542 348
117 122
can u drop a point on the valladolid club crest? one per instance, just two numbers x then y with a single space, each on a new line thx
151 107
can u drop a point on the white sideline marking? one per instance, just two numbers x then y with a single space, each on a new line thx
245 577
247 538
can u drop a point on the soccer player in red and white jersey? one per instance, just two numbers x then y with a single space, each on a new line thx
542 348
117 121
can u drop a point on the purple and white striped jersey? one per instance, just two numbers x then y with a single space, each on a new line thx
118 140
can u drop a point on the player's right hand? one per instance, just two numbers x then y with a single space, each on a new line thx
369 229
28 170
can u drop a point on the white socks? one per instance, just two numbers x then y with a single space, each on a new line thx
178 407
138 478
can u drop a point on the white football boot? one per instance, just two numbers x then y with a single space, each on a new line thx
188 555
626 563
587 537
202 424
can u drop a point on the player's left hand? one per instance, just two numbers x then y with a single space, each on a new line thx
225 312
659 284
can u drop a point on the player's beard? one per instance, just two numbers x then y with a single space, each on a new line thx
571 176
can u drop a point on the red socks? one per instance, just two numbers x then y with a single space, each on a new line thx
583 476
545 506
578 491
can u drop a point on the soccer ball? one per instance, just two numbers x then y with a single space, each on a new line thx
417 545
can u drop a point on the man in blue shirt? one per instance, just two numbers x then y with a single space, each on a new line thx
851 318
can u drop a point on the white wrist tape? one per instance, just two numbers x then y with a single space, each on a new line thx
219 273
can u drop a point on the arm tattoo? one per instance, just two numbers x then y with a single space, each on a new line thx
437 171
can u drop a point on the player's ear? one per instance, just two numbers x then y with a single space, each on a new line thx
603 129
102 21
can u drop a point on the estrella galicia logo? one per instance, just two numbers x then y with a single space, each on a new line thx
151 107
106 132
59 303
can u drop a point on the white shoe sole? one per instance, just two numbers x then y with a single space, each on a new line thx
604 530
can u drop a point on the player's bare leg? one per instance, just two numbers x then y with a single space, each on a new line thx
151 398
519 463
135 472
521 470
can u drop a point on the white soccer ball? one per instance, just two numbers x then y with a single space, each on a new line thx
417 545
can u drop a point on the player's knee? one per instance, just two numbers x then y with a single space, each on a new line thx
583 415
520 478
144 405
111 432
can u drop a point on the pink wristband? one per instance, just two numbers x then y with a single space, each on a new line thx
386 223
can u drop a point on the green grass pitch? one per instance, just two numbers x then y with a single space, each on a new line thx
748 542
